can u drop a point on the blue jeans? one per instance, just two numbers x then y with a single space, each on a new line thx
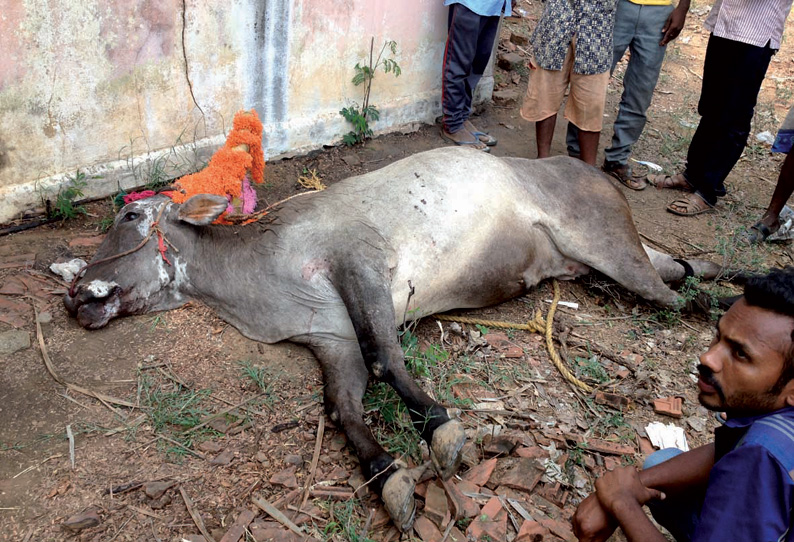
679 516
638 28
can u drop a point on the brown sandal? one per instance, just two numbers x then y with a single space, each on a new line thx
691 205
623 174
672 182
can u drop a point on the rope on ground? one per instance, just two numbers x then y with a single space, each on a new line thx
536 325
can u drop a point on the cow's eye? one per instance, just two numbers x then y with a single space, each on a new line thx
129 217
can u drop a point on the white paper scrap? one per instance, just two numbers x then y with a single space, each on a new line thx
667 436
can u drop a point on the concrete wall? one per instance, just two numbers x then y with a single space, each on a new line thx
126 89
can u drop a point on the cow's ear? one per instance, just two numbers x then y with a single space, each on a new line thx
202 209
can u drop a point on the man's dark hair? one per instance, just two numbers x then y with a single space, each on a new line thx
775 292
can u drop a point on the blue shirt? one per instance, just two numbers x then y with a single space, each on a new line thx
750 491
485 8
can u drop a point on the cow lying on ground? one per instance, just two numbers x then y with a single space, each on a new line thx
337 270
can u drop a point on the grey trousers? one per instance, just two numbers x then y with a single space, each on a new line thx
638 28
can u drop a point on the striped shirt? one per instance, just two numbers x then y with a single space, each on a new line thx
756 22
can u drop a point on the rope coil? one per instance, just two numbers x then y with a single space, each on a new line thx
537 325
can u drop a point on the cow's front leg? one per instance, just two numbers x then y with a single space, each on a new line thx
345 376
366 295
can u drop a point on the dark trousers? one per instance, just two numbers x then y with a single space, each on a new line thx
732 76
469 44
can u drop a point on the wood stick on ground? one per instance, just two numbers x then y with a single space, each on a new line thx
316 518
191 509
365 530
70 436
223 412
37 465
239 526
120 529
315 459
105 399
448 530
276 514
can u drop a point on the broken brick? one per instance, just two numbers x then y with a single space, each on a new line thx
523 474
497 340
479 474
558 528
532 452
531 531
223 458
513 352
500 445
491 523
426 530
646 447
669 406
613 400
607 447
467 507
436 505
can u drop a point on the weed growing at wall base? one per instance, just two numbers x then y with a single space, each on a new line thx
65 206
361 117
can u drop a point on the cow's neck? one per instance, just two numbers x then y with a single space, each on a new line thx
230 270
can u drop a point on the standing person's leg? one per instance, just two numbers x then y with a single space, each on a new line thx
585 109
732 76
459 53
623 34
487 34
770 222
545 92
640 79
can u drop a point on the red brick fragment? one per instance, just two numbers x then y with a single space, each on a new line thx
436 505
479 475
531 531
491 523
513 352
646 448
426 530
669 406
607 447
618 402
532 452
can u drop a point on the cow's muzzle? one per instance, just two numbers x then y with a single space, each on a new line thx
94 308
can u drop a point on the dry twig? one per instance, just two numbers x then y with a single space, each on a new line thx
191 509
276 514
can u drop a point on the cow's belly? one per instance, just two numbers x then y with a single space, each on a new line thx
474 274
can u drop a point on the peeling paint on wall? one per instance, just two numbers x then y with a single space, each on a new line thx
103 85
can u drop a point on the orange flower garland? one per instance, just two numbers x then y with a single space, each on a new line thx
230 167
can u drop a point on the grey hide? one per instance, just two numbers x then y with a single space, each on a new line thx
333 270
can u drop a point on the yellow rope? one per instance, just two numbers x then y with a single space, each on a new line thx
536 325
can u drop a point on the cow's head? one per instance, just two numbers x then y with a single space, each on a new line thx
130 273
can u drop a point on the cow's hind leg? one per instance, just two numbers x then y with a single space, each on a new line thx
365 292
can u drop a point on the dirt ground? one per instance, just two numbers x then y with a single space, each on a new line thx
136 468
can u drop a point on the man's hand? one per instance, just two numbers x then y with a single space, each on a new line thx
623 486
675 23
591 523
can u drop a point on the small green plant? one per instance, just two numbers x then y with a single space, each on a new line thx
65 207
360 117
591 368
172 410
345 523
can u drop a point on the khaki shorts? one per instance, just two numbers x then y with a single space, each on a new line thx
546 90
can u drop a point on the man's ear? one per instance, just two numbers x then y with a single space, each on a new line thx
202 209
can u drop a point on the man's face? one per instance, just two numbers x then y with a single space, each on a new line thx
739 371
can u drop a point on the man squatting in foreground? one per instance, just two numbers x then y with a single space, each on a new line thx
740 486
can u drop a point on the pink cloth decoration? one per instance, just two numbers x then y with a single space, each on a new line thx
135 196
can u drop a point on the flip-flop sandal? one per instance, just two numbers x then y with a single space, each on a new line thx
474 143
666 182
758 233
624 176
692 208
486 138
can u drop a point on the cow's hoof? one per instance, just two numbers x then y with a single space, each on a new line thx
398 497
445 450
